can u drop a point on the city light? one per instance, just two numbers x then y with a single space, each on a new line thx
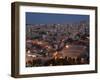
57 44
28 51
67 46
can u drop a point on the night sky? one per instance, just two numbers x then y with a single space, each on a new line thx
50 18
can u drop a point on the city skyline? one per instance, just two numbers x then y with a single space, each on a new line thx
56 39
50 18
